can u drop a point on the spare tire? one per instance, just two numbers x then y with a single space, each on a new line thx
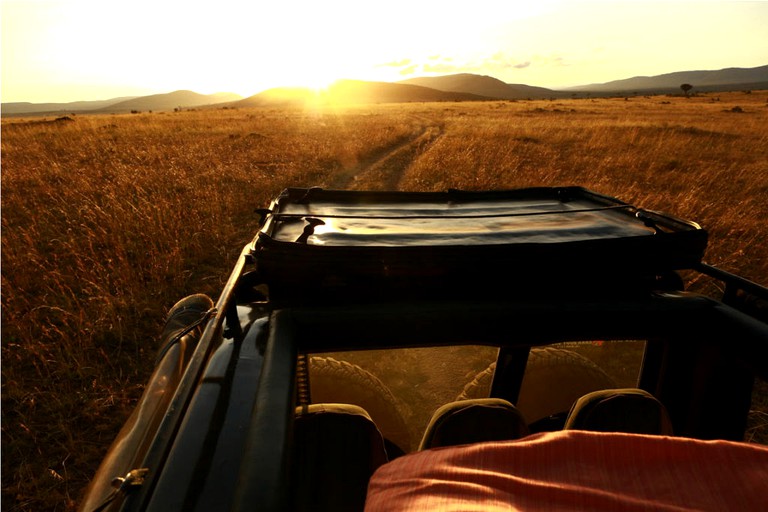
554 379
333 381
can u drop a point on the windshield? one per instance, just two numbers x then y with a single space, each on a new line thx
402 388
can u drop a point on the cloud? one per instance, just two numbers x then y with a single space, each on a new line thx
395 64
550 61
558 61
500 63
443 67
406 66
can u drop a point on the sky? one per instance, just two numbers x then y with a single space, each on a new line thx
72 50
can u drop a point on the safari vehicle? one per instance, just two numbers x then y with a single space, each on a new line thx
352 317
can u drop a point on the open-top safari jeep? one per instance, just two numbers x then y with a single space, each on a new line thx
353 316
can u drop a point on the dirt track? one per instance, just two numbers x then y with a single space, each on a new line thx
384 169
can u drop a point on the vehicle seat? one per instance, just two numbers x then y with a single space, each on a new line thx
629 410
474 421
337 447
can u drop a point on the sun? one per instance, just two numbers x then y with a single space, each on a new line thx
315 75
320 86
320 71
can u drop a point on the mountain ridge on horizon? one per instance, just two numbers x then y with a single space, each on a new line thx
700 79
356 91
483 85
165 101
454 87
177 99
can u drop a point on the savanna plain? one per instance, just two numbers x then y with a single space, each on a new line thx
107 220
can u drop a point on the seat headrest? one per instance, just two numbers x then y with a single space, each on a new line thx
628 410
474 421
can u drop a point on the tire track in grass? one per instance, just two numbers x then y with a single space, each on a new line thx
384 170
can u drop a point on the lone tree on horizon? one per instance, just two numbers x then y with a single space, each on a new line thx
686 88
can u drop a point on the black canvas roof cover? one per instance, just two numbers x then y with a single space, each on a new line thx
316 236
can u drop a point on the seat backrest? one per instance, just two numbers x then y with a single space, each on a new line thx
628 410
474 421
336 449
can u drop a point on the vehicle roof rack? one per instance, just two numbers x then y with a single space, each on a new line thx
317 243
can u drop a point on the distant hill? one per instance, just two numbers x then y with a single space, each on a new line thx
277 97
25 107
355 92
483 86
720 80
171 100
158 102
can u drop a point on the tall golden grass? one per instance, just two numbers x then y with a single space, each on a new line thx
108 220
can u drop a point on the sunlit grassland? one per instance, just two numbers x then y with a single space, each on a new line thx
108 220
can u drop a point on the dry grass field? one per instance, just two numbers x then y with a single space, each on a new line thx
108 220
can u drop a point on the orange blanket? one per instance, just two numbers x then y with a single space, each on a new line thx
577 470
